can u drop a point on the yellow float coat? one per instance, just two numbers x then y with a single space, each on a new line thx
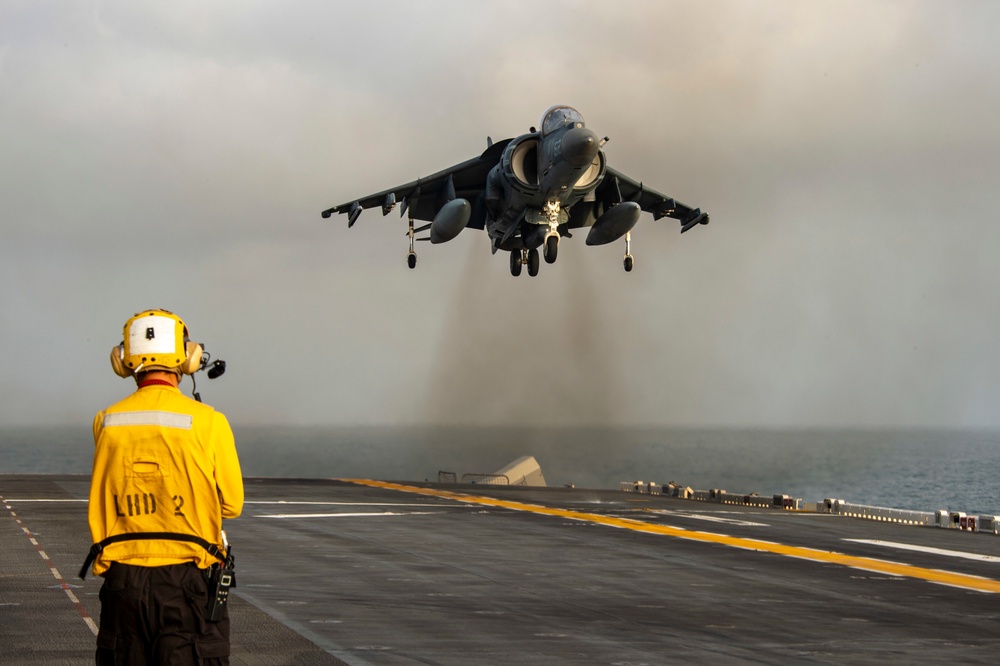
162 463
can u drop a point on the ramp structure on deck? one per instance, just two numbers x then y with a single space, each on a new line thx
525 471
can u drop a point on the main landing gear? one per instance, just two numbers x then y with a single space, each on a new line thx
519 258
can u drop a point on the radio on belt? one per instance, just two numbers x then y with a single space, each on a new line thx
220 579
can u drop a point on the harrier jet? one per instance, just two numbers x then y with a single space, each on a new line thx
528 193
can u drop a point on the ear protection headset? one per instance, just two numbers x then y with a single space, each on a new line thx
156 340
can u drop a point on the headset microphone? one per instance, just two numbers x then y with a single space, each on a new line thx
217 370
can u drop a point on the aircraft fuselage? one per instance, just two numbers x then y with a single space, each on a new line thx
540 175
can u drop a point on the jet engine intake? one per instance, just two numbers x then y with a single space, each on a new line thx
450 220
524 162
614 223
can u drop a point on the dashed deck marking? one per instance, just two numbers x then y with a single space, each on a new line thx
84 615
888 568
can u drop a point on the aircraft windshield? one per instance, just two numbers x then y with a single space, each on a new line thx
560 116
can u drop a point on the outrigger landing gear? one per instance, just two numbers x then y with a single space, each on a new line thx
411 257
628 255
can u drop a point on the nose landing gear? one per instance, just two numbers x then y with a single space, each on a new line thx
551 246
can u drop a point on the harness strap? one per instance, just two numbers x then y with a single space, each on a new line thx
95 550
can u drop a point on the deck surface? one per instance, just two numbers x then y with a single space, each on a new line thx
334 572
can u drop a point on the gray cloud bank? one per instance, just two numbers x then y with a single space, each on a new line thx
178 156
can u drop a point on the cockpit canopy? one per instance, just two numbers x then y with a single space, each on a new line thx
560 116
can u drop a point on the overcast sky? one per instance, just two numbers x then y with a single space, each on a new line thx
178 155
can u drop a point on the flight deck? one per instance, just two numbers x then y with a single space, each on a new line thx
371 572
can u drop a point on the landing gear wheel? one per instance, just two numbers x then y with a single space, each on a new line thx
533 262
515 263
411 256
628 263
551 248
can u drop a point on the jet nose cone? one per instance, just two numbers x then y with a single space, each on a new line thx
580 146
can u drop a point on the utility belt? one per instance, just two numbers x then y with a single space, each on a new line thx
220 576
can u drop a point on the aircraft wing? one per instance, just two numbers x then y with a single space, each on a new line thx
617 187
425 196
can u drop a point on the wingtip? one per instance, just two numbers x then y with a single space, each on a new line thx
697 217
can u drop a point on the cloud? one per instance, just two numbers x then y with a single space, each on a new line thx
178 155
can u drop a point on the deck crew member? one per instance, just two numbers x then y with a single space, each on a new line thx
165 474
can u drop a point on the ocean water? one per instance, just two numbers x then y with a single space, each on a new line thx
922 470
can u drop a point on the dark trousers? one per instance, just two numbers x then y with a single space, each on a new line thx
156 615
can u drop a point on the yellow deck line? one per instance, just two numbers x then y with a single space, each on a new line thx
953 579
